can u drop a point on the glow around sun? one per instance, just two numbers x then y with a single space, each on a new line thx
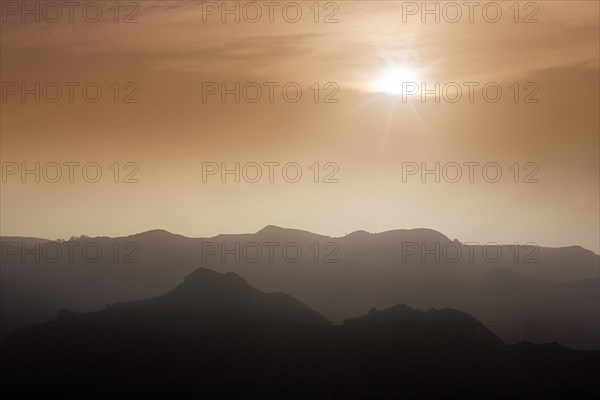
393 79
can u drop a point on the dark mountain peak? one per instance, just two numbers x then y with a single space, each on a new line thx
205 273
398 309
359 234
156 234
449 313
206 295
273 232
274 229
231 294
278 230
207 279
576 250
417 234
408 325
395 235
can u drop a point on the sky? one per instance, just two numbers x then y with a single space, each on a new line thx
168 132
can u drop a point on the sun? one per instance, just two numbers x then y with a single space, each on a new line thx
395 79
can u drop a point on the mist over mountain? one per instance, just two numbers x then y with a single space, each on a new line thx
520 292
215 335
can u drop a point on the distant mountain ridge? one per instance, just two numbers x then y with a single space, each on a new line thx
278 230
339 277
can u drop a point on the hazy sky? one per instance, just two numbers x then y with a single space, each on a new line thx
368 136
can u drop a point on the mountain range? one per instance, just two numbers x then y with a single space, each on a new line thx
216 335
520 292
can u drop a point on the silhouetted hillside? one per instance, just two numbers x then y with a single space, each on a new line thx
339 277
216 336
408 328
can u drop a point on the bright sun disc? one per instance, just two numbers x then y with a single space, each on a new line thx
393 79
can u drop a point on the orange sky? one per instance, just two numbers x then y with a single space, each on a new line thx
170 132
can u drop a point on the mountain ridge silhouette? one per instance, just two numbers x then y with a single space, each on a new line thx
368 270
171 344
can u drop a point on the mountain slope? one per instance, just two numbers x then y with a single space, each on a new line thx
214 335
339 277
